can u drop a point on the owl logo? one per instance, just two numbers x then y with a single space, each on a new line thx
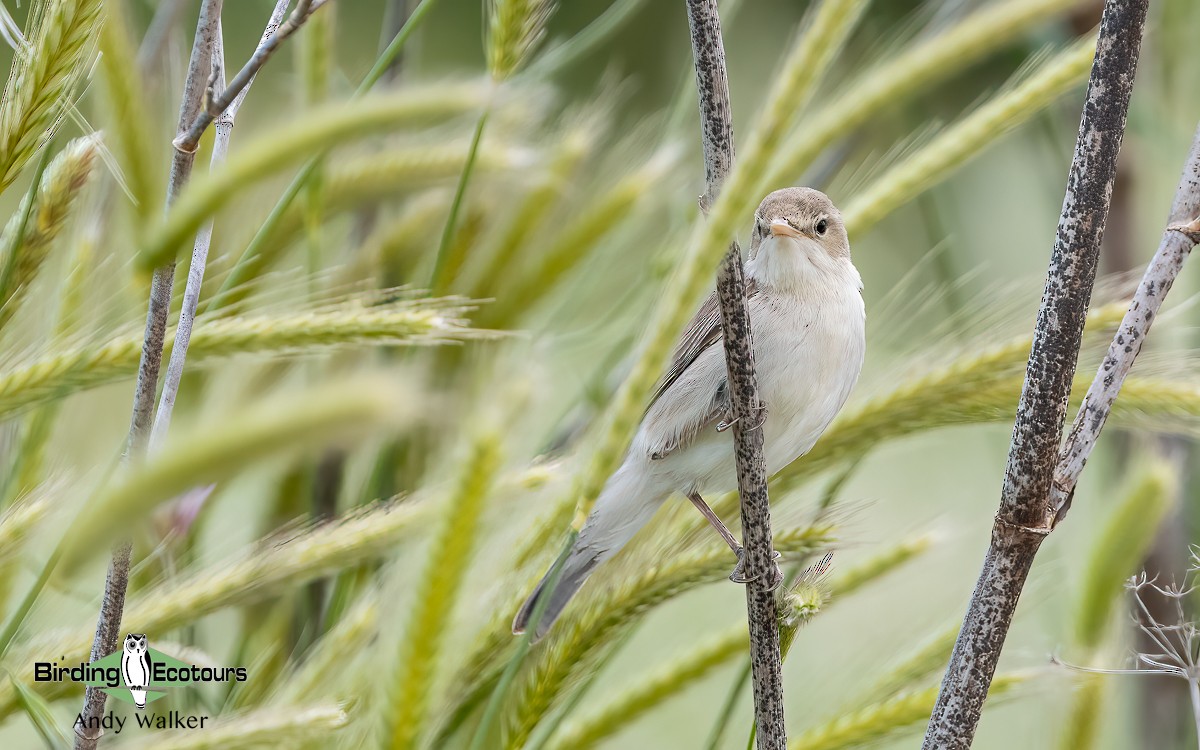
135 667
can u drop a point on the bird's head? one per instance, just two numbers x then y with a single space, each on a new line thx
798 234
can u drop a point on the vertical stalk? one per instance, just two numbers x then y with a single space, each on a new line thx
716 118
1026 514
117 580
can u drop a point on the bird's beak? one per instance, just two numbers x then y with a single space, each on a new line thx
780 228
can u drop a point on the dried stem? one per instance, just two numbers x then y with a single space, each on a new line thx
1026 515
214 106
116 583
716 118
191 295
1180 236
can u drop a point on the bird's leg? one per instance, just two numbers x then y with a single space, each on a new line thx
738 575
715 522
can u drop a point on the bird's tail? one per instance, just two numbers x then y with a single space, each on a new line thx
625 506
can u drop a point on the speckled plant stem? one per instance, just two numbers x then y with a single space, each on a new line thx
1180 236
116 583
1026 515
759 564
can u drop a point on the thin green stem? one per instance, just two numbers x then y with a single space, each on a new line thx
438 280
587 41
22 611
723 718
14 250
394 48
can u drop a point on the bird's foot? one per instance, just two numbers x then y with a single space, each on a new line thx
739 571
760 418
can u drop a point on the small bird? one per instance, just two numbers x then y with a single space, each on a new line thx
808 321
136 667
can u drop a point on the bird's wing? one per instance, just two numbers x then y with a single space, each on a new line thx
682 425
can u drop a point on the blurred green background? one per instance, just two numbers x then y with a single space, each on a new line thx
955 268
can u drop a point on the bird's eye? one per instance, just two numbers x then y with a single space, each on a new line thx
822 226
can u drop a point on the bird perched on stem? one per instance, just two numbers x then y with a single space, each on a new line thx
808 323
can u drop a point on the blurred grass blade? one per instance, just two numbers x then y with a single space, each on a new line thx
649 691
892 83
527 217
449 557
271 570
881 720
41 84
341 122
340 646
968 138
40 714
216 451
240 273
208 455
483 735
439 280
589 40
1116 554
918 402
130 132
600 218
928 659
1121 546
595 620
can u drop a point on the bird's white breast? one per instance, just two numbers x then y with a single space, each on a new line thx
808 350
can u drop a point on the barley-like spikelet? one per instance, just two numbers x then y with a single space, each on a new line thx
1120 548
588 628
572 246
271 569
802 603
394 246
128 122
928 659
41 84
1085 716
316 724
1115 555
649 691
808 597
528 215
950 394
804 69
893 82
968 138
61 184
35 430
342 644
449 557
880 720
416 323
209 453
874 567
18 520
514 27
281 147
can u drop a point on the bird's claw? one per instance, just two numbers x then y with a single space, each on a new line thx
730 421
739 571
